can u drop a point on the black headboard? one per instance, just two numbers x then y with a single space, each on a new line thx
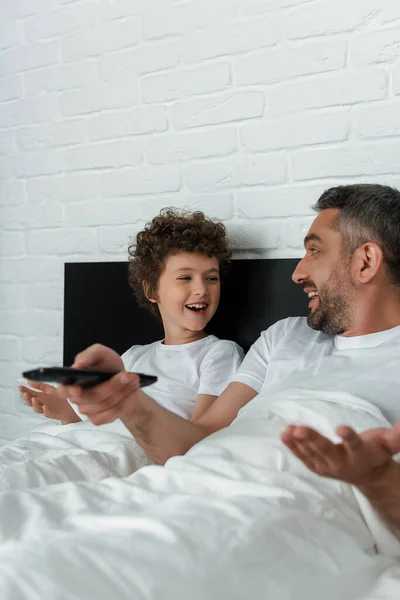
99 305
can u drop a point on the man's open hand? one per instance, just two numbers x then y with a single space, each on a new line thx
358 459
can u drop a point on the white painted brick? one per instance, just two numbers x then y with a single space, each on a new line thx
10 88
377 120
250 236
73 187
104 97
58 78
294 231
109 10
186 146
396 80
151 119
19 322
114 36
375 47
139 61
32 216
12 244
58 242
29 56
9 35
29 323
182 83
290 131
187 17
255 7
12 193
347 161
116 239
11 296
215 206
6 142
115 211
284 201
44 296
31 270
236 172
222 108
107 155
49 348
9 348
142 180
69 19
347 87
287 62
32 165
10 372
50 323
239 36
27 110
11 9
323 18
51 135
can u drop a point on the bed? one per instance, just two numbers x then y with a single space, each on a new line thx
236 517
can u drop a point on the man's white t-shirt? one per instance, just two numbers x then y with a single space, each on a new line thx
290 354
186 370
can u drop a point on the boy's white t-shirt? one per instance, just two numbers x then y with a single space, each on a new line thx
186 370
290 354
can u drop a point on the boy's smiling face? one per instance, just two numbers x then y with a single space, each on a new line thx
188 293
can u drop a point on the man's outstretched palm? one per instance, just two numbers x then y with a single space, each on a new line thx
358 459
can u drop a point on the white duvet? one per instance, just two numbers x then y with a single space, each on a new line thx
238 517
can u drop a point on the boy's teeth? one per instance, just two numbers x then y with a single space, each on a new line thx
196 305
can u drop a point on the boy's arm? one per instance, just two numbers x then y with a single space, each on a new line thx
202 404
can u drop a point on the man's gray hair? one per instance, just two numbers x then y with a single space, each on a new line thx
368 213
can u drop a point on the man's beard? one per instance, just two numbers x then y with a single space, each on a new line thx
333 314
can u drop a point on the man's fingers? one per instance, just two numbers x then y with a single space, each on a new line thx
27 398
317 452
392 438
37 407
105 394
352 442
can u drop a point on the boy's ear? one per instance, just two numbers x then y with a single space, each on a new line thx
146 288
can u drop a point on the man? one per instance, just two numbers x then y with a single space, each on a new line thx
351 273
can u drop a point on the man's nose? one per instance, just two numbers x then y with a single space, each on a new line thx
300 273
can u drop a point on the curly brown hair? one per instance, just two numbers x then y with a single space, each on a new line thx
170 232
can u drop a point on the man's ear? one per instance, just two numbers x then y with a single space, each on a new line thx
146 288
367 261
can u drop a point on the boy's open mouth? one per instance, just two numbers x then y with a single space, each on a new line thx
198 308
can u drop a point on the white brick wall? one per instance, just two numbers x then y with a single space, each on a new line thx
110 110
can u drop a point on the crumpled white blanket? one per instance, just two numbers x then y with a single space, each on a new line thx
55 453
237 517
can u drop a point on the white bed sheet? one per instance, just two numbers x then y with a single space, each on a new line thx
237 517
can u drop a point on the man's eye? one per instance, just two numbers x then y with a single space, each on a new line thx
313 251
184 278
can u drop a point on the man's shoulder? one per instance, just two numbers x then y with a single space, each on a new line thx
290 325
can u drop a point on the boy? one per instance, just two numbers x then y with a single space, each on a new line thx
174 270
